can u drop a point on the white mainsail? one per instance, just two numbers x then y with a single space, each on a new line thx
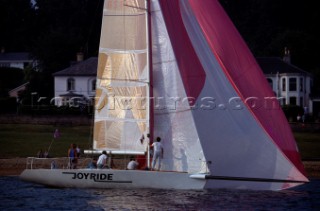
122 106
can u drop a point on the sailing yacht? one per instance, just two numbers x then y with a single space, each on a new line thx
179 70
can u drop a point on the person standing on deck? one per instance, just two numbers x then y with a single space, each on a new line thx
73 158
157 153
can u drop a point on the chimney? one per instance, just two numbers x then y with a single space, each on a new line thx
287 56
79 57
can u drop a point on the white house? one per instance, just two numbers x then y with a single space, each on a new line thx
290 84
16 60
76 83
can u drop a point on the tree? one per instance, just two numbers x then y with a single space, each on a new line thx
270 25
17 24
64 28
10 78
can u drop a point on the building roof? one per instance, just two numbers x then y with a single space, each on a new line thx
10 57
19 87
85 68
275 65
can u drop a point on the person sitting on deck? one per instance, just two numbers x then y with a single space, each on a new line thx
102 160
92 164
133 164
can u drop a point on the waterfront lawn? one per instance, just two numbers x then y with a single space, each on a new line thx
308 144
25 140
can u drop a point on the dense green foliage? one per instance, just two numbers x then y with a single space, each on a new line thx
53 31
270 25
10 78
292 111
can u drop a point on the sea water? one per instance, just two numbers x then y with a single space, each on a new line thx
18 195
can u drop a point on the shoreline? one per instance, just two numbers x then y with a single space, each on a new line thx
15 166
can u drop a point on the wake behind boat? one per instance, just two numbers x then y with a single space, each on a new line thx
179 70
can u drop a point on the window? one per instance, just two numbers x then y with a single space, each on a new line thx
284 84
293 100
292 84
270 82
70 84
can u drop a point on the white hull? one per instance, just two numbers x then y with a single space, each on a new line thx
109 178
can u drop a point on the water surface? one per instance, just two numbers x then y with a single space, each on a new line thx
18 195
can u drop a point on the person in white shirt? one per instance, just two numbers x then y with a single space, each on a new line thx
132 165
102 160
157 153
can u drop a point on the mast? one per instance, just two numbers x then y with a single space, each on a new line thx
151 107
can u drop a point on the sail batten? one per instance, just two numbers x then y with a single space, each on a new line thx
122 51
121 120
